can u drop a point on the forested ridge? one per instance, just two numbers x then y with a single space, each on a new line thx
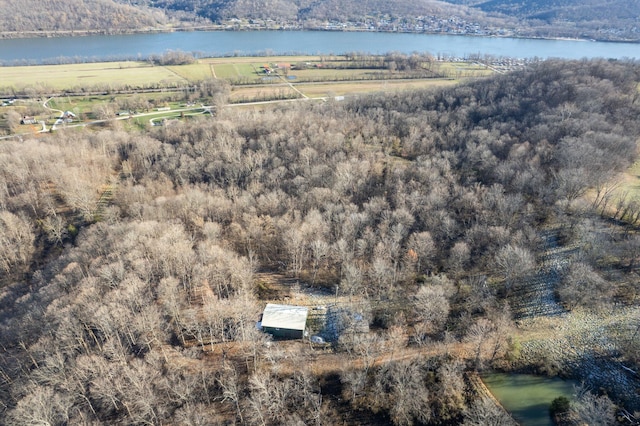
284 10
130 260
612 20
577 18
49 16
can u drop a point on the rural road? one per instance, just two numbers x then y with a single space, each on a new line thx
201 109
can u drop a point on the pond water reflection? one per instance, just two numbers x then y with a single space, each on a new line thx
528 397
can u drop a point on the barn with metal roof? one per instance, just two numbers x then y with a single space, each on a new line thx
284 321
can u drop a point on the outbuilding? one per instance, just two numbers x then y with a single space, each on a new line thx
284 321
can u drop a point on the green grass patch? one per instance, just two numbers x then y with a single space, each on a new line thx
193 72
236 71
630 184
80 105
77 104
225 71
463 69
327 74
266 93
331 89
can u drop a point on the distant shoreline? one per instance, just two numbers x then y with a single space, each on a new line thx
7 35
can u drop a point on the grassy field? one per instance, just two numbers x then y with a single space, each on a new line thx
291 77
630 183
193 72
238 70
331 89
85 103
463 69
69 76
261 93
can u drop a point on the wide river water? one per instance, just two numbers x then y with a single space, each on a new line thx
227 43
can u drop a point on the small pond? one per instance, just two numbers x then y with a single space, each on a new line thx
528 397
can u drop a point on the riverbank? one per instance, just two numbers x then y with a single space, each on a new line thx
234 26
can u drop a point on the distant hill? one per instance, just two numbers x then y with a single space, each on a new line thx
76 15
572 10
609 19
605 19
218 10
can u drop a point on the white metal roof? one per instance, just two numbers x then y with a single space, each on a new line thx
284 316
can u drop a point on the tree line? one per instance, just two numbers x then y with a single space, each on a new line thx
128 258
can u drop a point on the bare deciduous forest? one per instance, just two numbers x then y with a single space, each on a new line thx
135 264
614 20
48 16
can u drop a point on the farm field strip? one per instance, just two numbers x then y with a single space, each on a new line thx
237 69
330 89
116 85
192 72
250 94
61 77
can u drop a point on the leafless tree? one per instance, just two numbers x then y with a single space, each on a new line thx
228 380
514 262
42 405
478 335
431 304
485 412
582 286
56 228
594 410
424 247
409 396
16 241
449 396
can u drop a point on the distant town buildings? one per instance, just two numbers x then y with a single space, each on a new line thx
420 24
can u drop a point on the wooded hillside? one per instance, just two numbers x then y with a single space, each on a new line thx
130 261
574 18
339 10
614 20
76 15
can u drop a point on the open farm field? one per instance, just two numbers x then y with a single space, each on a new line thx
265 59
110 89
68 76
193 72
262 93
464 69
330 89
328 74
234 71
243 70
77 104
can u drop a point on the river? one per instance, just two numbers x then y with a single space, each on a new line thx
245 43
